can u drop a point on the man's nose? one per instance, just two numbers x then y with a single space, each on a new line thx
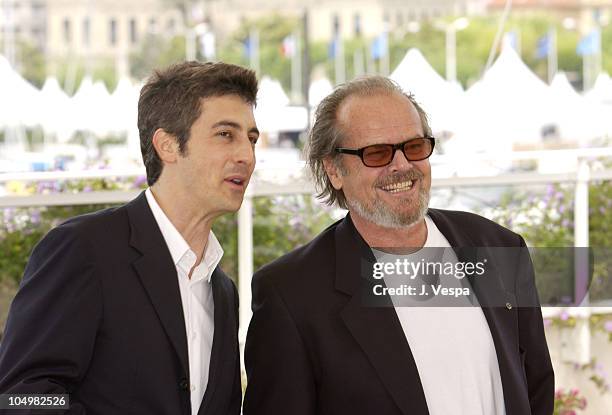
400 161
245 153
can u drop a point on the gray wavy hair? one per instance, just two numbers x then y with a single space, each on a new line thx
326 135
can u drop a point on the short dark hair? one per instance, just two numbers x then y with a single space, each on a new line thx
325 135
170 100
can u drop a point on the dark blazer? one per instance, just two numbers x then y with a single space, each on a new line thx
98 316
313 348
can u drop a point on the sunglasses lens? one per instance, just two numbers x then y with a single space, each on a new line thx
417 149
377 155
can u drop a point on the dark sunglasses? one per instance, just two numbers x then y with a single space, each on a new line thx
379 155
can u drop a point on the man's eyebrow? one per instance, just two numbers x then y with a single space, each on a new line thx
233 124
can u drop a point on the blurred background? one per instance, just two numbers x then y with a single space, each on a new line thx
518 93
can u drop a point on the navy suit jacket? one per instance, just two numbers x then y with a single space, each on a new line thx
99 316
314 348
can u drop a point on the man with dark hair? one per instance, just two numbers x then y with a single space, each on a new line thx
126 310
331 333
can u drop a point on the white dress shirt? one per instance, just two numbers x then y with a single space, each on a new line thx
196 298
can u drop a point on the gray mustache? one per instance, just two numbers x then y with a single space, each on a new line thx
412 174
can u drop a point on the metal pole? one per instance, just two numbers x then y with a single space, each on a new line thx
358 66
451 53
245 263
498 35
254 49
190 44
296 69
339 65
552 54
581 231
306 67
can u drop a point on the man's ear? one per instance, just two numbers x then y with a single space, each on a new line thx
166 146
333 172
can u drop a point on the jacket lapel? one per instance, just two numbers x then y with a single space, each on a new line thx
377 330
157 273
494 300
222 356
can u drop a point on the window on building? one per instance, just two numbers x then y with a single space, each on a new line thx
133 31
335 24
67 31
86 31
171 26
112 31
357 24
152 25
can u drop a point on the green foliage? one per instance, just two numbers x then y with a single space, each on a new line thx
271 30
156 52
567 402
280 224
546 220
75 70
33 66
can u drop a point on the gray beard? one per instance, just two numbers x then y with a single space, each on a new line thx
380 214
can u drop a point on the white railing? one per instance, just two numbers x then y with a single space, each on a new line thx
300 184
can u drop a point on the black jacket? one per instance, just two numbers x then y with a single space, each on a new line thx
313 348
98 316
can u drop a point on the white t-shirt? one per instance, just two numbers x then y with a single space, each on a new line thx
452 347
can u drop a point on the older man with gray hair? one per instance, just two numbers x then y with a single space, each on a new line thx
319 344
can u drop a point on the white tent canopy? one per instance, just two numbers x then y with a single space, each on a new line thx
56 110
123 107
92 107
439 98
602 90
578 119
273 112
19 100
509 105
319 89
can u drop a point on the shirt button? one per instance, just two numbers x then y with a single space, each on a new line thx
183 384
509 306
192 388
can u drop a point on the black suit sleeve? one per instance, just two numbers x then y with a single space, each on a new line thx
532 340
236 397
53 320
279 372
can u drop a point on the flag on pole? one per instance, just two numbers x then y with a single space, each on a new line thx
251 49
247 47
544 46
511 39
332 49
380 46
589 44
288 47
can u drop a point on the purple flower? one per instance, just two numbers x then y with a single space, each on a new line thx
547 322
561 208
602 210
564 316
140 181
608 326
565 223
35 217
